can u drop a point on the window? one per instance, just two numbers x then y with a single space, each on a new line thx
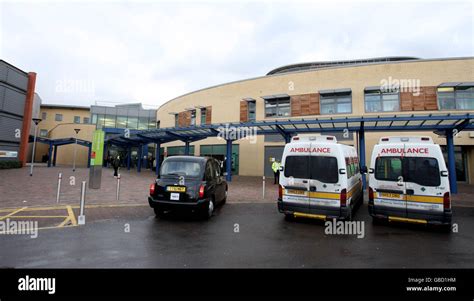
193 117
143 123
278 107
77 119
58 117
43 133
251 109
456 98
180 168
388 168
109 121
94 118
86 120
176 120
203 115
153 124
378 101
320 168
132 123
336 103
121 122
419 170
44 115
100 121
158 124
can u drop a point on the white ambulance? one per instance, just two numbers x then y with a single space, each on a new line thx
319 178
408 182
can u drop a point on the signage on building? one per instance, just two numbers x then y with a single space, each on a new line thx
97 152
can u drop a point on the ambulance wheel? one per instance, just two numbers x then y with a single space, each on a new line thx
289 217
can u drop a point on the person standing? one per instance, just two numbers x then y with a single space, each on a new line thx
276 171
116 165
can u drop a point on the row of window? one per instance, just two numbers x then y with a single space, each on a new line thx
193 117
449 98
59 118
124 122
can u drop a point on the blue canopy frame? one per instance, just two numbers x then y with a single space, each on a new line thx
55 143
444 124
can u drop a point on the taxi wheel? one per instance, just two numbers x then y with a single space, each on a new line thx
225 197
207 212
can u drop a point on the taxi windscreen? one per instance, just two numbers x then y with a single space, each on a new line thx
419 170
180 168
321 168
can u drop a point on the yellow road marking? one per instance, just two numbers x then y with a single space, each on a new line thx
68 219
12 213
72 217
62 207
39 216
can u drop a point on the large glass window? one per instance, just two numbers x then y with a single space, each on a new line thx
251 107
86 120
203 115
320 168
152 124
278 107
132 122
58 117
336 103
77 119
143 123
109 121
456 98
121 122
378 101
43 133
100 121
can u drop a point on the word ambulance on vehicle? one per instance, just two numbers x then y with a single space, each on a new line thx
319 178
408 181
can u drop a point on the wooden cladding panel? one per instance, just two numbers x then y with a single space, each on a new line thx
305 104
426 100
208 115
244 111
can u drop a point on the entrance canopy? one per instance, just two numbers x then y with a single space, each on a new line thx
443 124
55 143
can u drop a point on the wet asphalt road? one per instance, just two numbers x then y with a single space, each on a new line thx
264 240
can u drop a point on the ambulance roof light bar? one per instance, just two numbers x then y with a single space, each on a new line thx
407 139
321 138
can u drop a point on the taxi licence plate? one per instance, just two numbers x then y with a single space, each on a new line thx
176 188
390 195
296 191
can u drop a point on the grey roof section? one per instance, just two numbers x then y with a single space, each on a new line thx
276 96
319 65
325 68
59 106
457 84
336 91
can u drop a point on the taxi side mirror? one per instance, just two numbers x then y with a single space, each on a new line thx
371 170
281 169
342 171
444 173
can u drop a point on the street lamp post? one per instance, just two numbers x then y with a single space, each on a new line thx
75 151
36 121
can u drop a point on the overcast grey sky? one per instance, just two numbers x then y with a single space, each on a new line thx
152 52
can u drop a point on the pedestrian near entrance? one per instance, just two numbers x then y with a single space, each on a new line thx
116 165
276 171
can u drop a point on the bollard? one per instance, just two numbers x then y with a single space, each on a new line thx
60 176
263 189
82 217
118 187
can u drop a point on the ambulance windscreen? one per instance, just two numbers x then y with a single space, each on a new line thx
320 168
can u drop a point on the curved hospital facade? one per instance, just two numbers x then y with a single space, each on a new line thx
324 90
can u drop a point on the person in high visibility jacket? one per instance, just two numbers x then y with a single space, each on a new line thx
276 171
